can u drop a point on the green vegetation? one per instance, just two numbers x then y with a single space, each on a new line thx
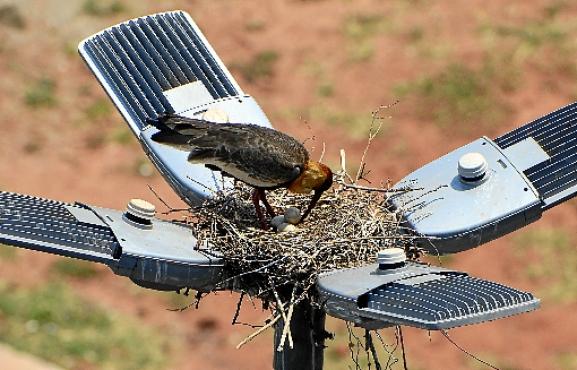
457 95
423 46
259 67
55 324
546 42
567 361
41 93
33 145
7 252
415 34
361 30
255 25
357 124
143 167
550 259
11 16
95 139
103 8
98 109
122 135
316 70
364 26
325 89
74 268
496 361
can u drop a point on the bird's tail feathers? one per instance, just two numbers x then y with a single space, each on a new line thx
180 124
177 131
172 138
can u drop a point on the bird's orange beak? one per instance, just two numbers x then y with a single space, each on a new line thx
317 177
314 177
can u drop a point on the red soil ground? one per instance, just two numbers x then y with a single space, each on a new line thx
61 152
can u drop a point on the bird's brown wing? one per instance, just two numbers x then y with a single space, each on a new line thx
257 155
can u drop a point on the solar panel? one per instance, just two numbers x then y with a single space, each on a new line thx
418 295
48 225
162 256
556 178
162 63
522 174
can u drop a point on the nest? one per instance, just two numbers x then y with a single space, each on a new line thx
346 229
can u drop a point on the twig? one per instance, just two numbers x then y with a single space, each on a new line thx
202 185
372 135
238 306
446 335
371 347
322 156
256 333
158 197
344 166
379 190
281 309
402 341
286 328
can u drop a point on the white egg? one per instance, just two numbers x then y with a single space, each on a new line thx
277 220
286 228
292 215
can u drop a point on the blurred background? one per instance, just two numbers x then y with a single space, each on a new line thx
318 68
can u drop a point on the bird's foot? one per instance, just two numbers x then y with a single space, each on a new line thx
256 201
264 225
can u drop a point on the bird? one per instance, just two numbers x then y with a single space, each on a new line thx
261 157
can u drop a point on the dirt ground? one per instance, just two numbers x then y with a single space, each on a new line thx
12 360
334 62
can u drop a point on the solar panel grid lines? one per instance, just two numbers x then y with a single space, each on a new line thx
38 219
142 58
556 133
556 118
449 298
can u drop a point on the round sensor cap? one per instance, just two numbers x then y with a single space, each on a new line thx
391 256
472 166
141 209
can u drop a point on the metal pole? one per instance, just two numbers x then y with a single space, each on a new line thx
308 333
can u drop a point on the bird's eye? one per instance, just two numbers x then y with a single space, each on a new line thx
297 170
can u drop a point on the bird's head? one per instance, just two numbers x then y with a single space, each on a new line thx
315 176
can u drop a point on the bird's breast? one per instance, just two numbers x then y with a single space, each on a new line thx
246 175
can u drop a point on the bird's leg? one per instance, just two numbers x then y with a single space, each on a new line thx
312 204
259 214
268 207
